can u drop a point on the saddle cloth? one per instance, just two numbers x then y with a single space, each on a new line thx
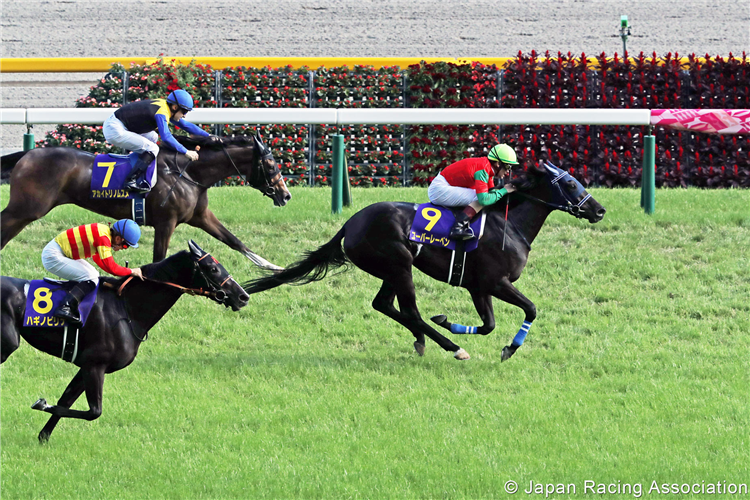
109 174
432 224
43 297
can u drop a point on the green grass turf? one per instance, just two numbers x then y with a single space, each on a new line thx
636 369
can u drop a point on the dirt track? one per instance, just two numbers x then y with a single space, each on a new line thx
414 28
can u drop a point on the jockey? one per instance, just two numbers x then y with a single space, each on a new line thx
133 127
470 183
64 256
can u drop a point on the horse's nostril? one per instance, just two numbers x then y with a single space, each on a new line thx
288 197
601 211
244 297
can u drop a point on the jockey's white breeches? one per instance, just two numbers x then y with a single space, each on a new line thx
55 261
443 194
117 135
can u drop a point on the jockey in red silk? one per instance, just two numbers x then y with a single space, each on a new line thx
470 183
134 127
65 257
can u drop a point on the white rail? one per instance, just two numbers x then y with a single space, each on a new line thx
334 116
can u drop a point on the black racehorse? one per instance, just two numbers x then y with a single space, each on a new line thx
44 178
124 312
376 240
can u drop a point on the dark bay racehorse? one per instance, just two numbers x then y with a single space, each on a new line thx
124 312
44 178
376 240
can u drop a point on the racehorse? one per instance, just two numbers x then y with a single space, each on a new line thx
124 312
44 178
376 240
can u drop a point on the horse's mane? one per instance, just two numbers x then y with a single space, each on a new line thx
524 182
528 179
167 269
209 143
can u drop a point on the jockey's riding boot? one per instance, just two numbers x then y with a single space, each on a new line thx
461 229
68 308
140 167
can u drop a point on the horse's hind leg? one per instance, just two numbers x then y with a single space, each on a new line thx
93 381
383 303
483 305
69 396
409 316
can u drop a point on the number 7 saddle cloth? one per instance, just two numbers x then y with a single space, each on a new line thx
43 297
432 224
110 172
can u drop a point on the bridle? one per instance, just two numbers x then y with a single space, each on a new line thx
214 290
266 185
566 201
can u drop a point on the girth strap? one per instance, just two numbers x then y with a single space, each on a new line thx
458 261
70 344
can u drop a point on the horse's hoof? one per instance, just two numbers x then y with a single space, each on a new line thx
439 319
508 351
461 355
43 437
41 405
419 348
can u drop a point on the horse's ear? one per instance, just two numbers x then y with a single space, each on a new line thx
195 249
259 141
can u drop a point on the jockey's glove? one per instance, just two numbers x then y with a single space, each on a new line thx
192 155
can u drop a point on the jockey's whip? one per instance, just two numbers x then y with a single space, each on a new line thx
505 227
197 148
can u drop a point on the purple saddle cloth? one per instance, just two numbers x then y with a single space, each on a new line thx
43 298
432 225
110 172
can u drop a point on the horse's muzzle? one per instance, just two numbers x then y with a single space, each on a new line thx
282 198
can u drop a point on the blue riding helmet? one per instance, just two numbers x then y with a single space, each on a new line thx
182 99
129 231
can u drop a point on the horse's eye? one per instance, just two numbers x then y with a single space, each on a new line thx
214 270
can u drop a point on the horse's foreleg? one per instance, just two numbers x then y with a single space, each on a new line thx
207 221
483 304
383 302
72 393
505 291
162 235
93 381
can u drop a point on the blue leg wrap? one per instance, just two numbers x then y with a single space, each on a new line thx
456 328
521 335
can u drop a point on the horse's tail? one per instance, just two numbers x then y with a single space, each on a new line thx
7 162
313 267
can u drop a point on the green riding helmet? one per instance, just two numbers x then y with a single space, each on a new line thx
503 153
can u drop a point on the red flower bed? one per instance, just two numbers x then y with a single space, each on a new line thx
609 156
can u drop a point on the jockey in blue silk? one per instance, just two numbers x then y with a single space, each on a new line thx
134 127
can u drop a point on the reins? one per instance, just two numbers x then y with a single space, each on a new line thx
270 186
218 295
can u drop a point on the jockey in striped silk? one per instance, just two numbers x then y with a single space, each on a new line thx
65 257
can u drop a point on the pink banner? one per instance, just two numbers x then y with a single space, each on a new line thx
711 121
